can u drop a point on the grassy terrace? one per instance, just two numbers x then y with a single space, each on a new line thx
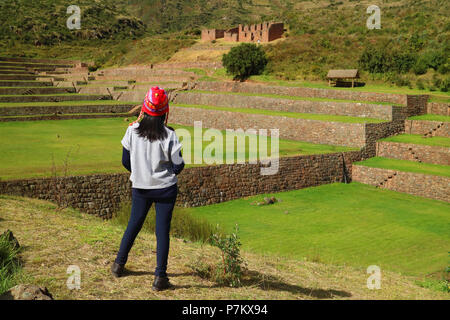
279 96
431 117
408 166
65 103
308 116
419 139
346 224
94 146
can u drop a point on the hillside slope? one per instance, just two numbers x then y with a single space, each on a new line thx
53 241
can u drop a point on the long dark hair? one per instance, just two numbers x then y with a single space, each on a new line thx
152 127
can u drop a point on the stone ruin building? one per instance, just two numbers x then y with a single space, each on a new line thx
261 32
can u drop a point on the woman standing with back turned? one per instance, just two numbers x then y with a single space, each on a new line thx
152 153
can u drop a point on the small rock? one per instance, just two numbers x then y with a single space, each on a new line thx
26 292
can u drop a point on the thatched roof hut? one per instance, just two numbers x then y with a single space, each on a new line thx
335 75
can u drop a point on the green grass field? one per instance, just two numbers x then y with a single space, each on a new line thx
280 96
408 166
307 116
419 139
431 117
351 224
94 146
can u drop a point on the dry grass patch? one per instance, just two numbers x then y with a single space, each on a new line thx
53 241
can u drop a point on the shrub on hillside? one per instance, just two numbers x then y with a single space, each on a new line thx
420 84
245 60
420 67
381 60
445 85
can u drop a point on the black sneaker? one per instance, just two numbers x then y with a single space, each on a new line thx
161 283
117 270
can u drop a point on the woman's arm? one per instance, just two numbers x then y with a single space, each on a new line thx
126 159
177 168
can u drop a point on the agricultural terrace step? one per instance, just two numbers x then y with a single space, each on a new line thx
40 61
407 166
141 71
429 128
414 178
439 108
35 90
150 78
95 157
315 131
400 99
139 94
21 77
435 152
310 116
67 107
19 83
15 68
34 65
60 116
293 104
52 98
16 71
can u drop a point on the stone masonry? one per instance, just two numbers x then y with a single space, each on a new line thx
414 152
377 111
433 128
101 195
258 33
429 186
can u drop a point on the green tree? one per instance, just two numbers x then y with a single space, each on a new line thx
245 60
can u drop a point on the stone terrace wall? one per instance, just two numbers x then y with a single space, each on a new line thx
302 92
360 135
438 108
334 133
101 194
430 186
22 111
377 111
63 117
423 127
416 104
414 152
377 131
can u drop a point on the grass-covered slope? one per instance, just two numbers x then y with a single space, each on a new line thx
321 35
53 241
44 22
351 224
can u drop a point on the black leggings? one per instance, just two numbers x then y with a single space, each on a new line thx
142 200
